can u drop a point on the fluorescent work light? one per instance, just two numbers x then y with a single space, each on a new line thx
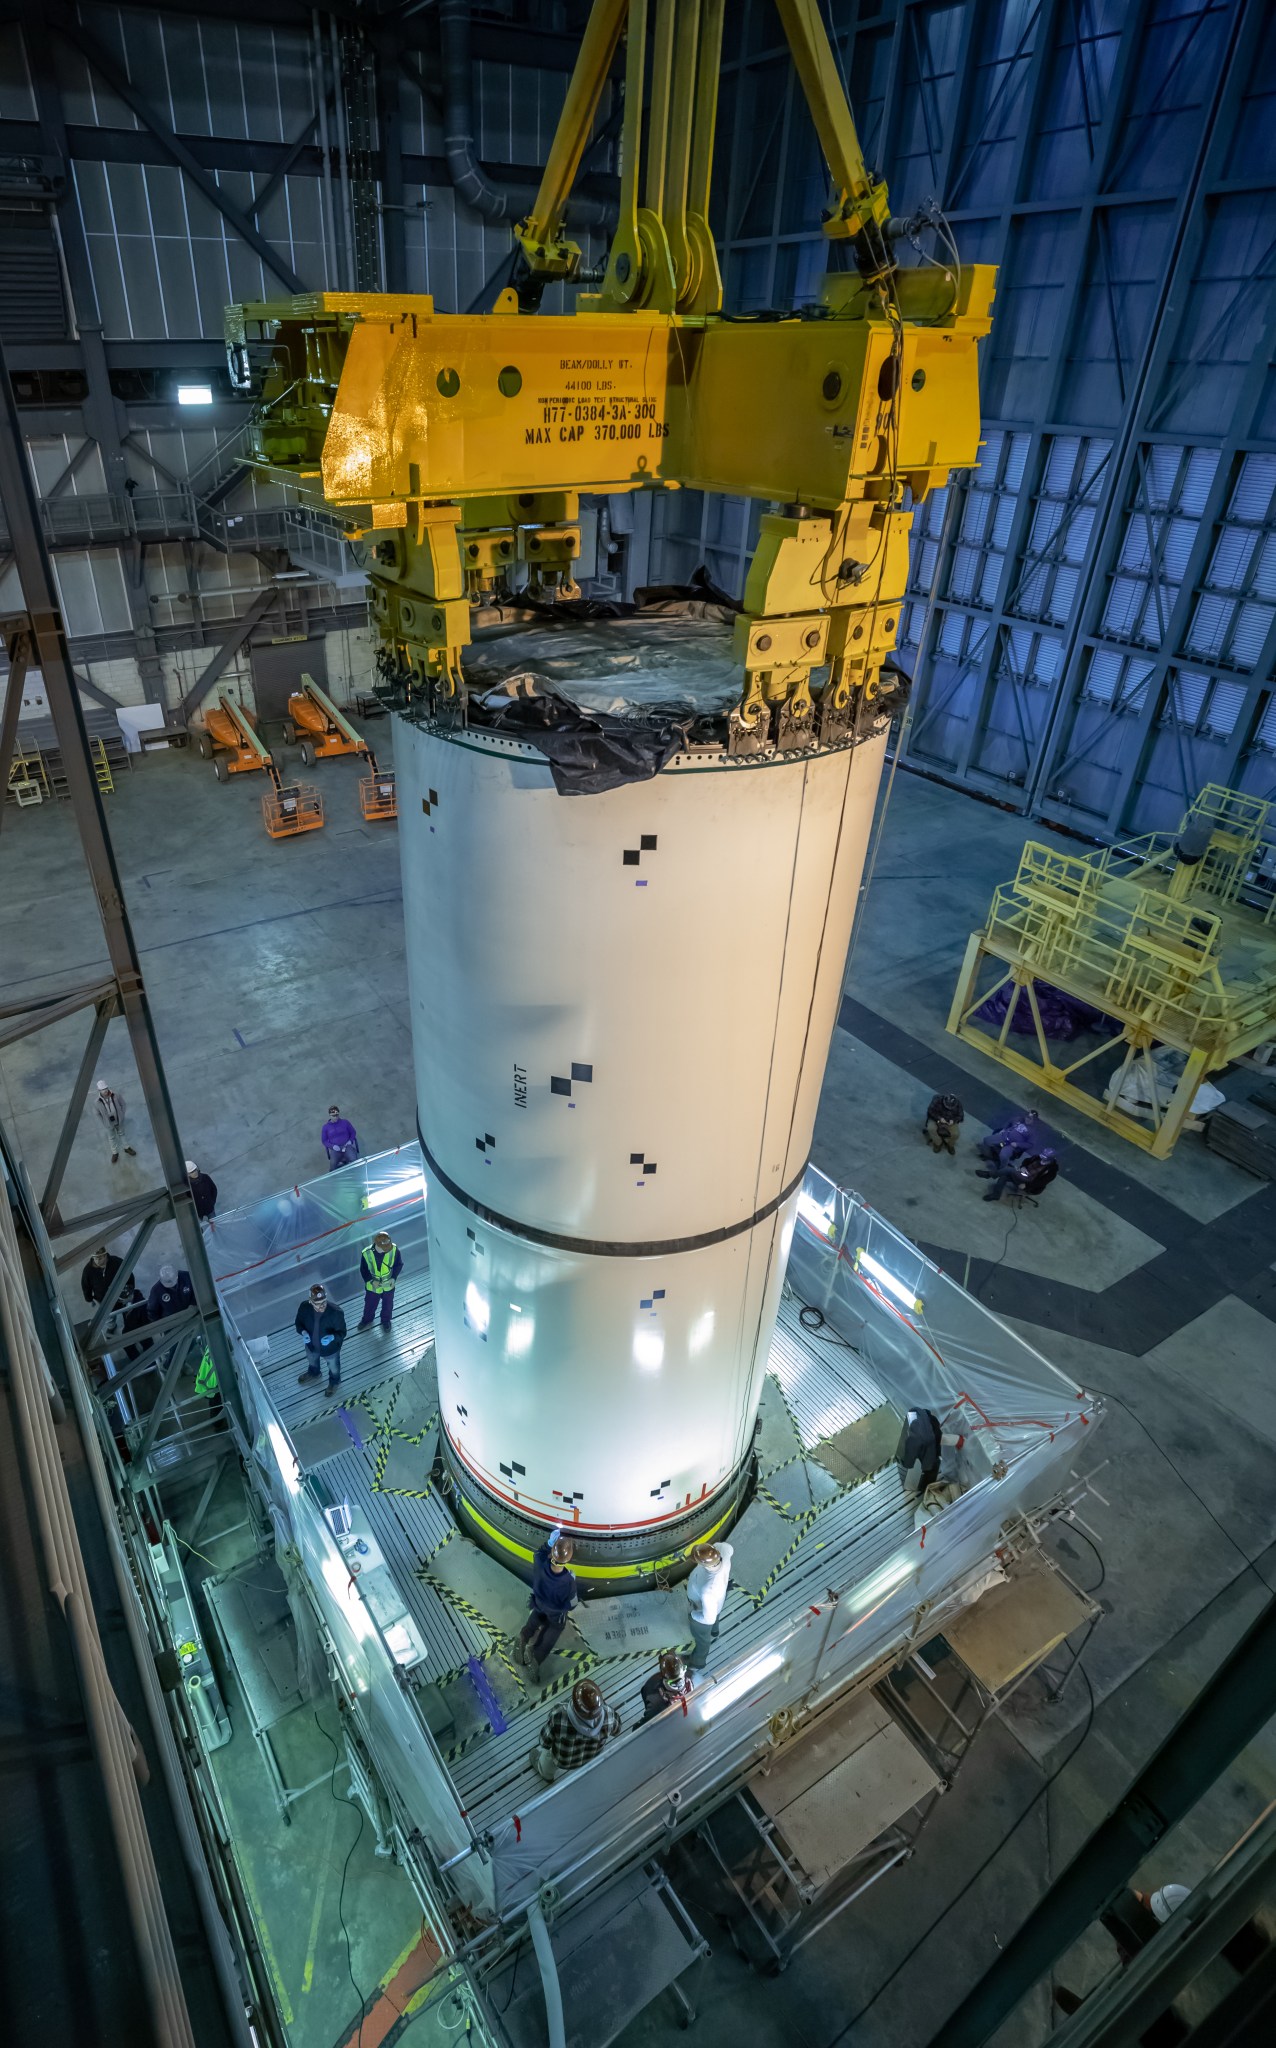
866 1263
734 1688
194 394
412 1184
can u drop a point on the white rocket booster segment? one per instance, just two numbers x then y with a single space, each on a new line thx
621 1010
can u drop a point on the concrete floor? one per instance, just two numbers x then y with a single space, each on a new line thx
277 976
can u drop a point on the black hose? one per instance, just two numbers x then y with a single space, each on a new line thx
470 181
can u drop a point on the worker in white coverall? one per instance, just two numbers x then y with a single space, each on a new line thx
113 1120
706 1592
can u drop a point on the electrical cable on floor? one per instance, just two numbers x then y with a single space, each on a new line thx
344 1799
976 1874
518 1957
978 1291
1075 1529
816 1324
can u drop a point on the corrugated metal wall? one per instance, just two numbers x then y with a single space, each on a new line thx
165 263
1101 640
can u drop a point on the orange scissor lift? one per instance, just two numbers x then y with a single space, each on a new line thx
315 721
228 737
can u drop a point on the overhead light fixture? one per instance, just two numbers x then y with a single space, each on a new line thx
396 1191
866 1263
194 394
734 1688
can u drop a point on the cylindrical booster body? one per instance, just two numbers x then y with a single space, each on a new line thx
621 1011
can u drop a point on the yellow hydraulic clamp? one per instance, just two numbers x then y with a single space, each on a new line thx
459 445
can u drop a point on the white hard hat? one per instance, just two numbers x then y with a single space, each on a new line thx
191 1166
101 1087
1164 1902
168 1274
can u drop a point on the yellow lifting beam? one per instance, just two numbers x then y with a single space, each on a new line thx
458 445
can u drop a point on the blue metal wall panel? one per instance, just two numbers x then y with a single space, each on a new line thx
1092 616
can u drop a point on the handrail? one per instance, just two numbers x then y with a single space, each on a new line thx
113 1741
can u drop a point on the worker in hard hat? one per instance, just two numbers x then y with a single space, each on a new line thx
322 1324
706 1593
99 1271
553 1597
1133 1919
339 1139
669 1686
1020 1133
1030 1174
171 1293
944 1116
575 1732
112 1121
204 1189
380 1265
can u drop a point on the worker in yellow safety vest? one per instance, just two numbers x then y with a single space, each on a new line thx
381 1265
207 1388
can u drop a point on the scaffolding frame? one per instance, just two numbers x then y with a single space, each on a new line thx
1167 936
38 638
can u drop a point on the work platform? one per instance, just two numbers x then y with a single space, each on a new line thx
835 1574
1167 941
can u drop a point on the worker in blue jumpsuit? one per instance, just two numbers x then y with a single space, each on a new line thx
380 1265
553 1598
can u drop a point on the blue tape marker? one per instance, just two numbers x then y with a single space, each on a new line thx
486 1697
352 1432
242 1040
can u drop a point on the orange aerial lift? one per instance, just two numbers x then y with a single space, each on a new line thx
228 736
314 719
328 731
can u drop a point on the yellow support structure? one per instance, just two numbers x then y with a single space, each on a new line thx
28 776
101 767
457 444
1156 935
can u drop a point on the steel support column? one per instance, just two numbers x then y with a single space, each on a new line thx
175 148
103 415
19 651
1233 1708
227 649
48 635
1243 32
102 1014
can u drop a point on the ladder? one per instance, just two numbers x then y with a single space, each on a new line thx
101 766
28 780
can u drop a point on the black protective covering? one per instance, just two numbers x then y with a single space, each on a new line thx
588 751
607 692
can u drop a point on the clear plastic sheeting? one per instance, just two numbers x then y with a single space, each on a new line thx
864 1574
670 657
266 1256
928 1342
844 1607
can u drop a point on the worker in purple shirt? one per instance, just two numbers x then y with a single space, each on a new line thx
553 1598
340 1139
